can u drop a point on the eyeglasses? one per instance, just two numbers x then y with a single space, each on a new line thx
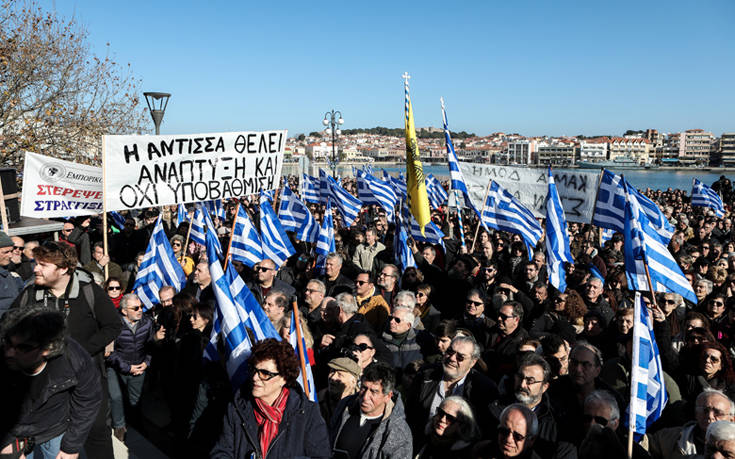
394 318
504 432
476 304
502 316
264 375
451 352
20 347
711 357
669 301
113 288
311 290
135 308
385 275
359 282
418 294
176 244
15 247
362 347
440 413
527 379
599 420
719 304
262 269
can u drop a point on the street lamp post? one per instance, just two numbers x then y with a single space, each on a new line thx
333 119
157 102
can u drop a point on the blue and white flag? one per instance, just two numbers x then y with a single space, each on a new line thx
557 238
704 196
246 245
642 247
610 207
216 209
504 212
399 186
648 395
373 191
181 214
325 244
435 191
310 390
117 219
231 320
403 255
199 225
276 245
309 191
347 205
257 320
607 234
158 268
455 173
432 233
296 217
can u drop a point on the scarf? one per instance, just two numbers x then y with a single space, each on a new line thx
116 301
268 418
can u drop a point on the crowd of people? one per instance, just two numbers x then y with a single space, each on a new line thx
469 354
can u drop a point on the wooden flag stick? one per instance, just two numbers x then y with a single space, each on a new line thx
479 223
300 347
3 211
188 233
232 233
104 206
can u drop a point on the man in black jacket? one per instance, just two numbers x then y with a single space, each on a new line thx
265 281
456 376
90 317
50 390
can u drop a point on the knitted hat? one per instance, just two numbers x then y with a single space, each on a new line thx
5 240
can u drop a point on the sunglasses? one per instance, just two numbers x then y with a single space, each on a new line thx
502 316
418 294
112 288
599 420
719 304
359 282
504 432
362 347
670 301
135 308
712 358
451 352
264 375
262 269
476 304
15 247
394 318
440 413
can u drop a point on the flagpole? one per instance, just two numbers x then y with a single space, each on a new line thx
300 347
459 218
630 441
232 234
479 223
104 207
188 233
597 194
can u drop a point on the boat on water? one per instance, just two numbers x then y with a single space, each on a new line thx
621 162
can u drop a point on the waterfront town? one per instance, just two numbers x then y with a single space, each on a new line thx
649 147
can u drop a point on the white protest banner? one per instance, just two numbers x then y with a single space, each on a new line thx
57 188
577 189
151 171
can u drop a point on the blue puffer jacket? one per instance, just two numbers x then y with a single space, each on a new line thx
133 348
301 434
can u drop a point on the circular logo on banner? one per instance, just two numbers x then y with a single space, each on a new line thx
53 172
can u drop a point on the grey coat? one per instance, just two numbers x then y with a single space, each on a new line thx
391 440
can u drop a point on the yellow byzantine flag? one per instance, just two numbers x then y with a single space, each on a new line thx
415 179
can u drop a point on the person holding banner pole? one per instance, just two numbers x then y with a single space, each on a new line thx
300 344
479 223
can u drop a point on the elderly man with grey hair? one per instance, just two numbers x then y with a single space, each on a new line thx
720 440
683 441
455 375
340 322
334 281
400 337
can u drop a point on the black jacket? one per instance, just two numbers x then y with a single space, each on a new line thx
502 351
133 348
342 284
302 432
278 284
66 401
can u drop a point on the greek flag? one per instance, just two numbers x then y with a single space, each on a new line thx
246 245
704 196
399 185
432 233
610 207
216 208
325 243
309 193
404 256
230 320
504 212
257 321
199 225
647 390
347 205
295 216
607 234
117 219
557 239
373 191
158 268
276 245
436 192
368 168
310 391
642 247
455 174
181 214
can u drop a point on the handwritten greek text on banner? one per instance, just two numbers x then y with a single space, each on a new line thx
150 171
57 188
577 189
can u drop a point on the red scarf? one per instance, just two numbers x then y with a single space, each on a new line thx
268 418
116 301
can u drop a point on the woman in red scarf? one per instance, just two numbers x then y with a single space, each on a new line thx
270 416
114 291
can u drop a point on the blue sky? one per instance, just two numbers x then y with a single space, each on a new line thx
532 67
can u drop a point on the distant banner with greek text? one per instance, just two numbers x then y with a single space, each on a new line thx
151 171
57 188
577 189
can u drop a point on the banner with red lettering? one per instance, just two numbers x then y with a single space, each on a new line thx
57 188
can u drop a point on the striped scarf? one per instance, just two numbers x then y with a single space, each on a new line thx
268 418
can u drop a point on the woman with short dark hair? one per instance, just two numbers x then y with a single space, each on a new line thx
270 416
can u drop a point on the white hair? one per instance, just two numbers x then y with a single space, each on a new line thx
408 298
408 312
720 431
